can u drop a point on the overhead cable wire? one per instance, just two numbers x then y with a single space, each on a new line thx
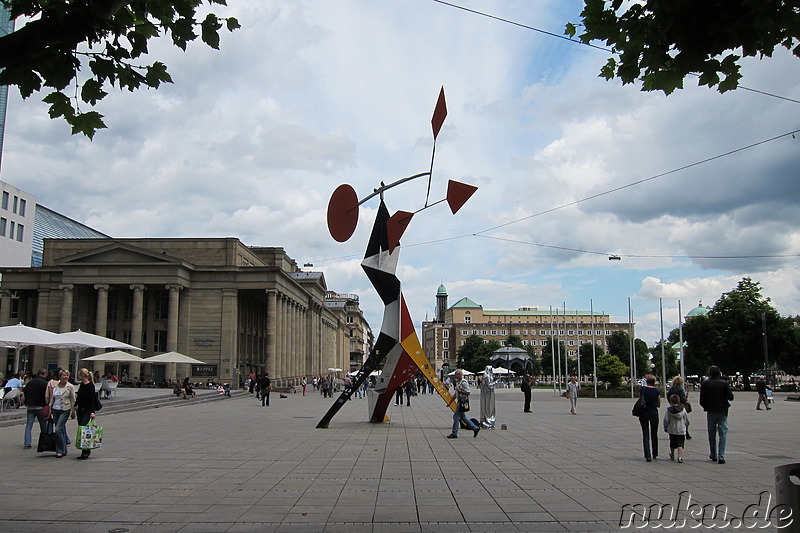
578 41
598 195
645 180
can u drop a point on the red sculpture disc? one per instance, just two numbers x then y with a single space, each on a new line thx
343 213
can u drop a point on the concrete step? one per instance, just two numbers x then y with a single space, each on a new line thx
123 404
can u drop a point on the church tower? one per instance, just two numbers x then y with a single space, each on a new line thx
441 303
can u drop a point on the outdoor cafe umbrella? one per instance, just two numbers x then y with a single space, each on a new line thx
500 370
78 341
20 336
115 357
173 357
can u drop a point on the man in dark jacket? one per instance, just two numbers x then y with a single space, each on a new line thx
525 387
715 398
264 386
34 393
761 389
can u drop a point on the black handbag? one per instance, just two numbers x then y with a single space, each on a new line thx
97 404
47 438
463 405
639 406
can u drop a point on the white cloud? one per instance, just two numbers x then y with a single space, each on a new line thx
251 140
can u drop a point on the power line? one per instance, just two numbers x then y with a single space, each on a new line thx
598 195
577 41
639 182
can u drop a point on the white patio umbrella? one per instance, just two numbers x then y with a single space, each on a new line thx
173 357
21 336
463 373
78 341
115 357
499 371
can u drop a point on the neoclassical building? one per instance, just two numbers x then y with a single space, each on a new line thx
442 337
237 308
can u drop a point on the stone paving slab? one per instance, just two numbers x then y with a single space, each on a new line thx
234 466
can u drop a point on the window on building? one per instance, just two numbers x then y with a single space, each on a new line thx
162 304
516 332
542 332
351 334
571 343
22 204
494 332
445 343
468 319
160 340
5 200
15 308
463 342
349 319
11 230
445 354
3 223
484 332
465 332
571 332
524 343
16 200
20 232
445 333
580 332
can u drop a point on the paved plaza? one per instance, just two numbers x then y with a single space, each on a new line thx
234 466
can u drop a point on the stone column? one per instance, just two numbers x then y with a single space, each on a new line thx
172 327
5 308
36 353
271 327
66 324
136 327
229 337
5 320
101 322
281 363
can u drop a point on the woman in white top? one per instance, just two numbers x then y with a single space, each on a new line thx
61 399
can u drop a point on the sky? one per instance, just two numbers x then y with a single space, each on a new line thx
251 140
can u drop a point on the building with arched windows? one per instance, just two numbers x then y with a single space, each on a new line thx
441 338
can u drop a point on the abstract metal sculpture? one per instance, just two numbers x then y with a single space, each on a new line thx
397 342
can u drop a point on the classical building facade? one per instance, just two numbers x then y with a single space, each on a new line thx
359 335
234 307
442 337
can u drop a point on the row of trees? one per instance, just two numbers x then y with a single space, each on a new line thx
733 335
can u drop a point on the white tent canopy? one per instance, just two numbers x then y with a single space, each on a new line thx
78 341
20 336
173 357
464 372
498 371
115 357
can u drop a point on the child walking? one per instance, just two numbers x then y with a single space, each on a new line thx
676 423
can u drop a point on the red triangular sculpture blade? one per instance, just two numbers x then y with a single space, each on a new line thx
396 226
439 114
458 193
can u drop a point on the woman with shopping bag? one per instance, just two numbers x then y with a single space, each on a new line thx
86 404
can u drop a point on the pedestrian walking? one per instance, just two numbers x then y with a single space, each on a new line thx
525 386
649 418
715 398
462 392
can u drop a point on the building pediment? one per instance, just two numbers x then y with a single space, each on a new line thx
118 254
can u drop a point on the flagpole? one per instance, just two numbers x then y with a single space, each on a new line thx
594 350
663 357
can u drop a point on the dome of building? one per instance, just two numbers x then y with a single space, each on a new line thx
700 310
441 291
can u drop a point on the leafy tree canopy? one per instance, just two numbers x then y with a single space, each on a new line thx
109 36
474 355
661 42
610 369
731 334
